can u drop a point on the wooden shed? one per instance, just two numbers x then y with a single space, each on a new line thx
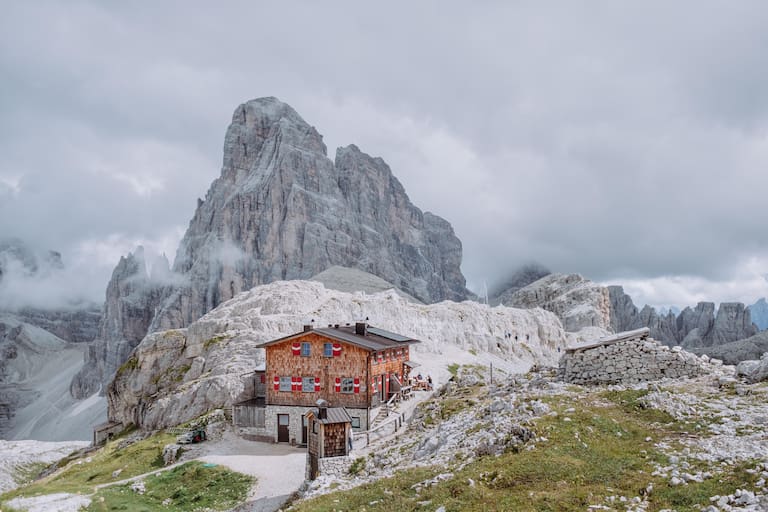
330 435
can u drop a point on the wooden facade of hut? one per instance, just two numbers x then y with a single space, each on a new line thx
330 434
353 366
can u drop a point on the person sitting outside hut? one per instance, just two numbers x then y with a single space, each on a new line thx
429 382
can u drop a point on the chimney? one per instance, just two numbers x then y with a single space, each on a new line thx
307 328
322 409
361 328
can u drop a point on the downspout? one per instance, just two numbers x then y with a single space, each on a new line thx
368 391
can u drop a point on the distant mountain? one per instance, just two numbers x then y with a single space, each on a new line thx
578 302
280 210
520 278
692 327
759 312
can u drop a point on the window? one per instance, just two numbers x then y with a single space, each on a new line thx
305 348
355 422
314 427
285 383
308 384
347 385
328 350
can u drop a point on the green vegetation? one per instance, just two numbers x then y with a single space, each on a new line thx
357 465
27 473
213 341
131 364
191 486
473 352
453 369
602 451
82 474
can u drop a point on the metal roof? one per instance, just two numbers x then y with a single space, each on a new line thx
389 335
335 415
372 340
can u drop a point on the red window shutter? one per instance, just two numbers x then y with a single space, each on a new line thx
336 349
276 383
357 385
317 384
293 383
296 348
338 385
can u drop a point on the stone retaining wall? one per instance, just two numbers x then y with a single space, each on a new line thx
629 361
336 467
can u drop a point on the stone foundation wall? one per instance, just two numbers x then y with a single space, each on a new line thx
629 361
336 467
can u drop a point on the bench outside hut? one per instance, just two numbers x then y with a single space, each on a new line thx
330 437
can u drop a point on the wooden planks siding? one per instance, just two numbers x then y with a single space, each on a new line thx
352 363
335 439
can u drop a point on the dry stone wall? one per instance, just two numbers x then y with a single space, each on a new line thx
632 359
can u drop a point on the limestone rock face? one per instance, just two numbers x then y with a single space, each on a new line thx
663 327
578 302
733 322
693 327
759 313
75 325
736 351
281 209
701 318
522 277
131 299
624 314
176 375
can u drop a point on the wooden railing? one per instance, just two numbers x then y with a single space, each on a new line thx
379 431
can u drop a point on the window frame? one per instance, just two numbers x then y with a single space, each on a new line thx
304 381
286 379
328 350
308 346
355 419
351 385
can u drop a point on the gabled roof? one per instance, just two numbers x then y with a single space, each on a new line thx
334 415
374 339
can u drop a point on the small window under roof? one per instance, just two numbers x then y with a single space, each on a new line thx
386 334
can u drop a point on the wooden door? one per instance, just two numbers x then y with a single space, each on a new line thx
283 433
303 429
382 389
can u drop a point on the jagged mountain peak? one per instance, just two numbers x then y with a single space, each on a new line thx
282 210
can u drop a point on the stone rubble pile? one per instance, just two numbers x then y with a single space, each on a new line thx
632 360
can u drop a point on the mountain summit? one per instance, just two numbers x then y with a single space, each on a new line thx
283 210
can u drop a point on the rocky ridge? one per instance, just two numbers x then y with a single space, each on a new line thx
520 278
132 297
721 449
179 374
578 302
281 210
693 327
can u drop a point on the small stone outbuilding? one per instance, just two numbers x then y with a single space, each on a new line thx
628 357
330 436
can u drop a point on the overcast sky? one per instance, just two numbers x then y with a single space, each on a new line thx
625 143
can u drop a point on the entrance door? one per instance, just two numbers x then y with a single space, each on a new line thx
383 389
303 429
283 434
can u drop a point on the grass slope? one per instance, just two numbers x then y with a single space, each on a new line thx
605 447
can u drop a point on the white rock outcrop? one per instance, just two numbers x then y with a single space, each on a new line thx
578 302
174 376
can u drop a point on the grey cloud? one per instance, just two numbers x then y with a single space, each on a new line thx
620 141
